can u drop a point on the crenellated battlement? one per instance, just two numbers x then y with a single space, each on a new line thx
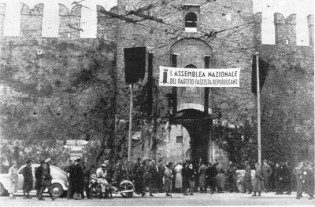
48 14
280 22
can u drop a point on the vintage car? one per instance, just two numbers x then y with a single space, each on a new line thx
59 184
240 179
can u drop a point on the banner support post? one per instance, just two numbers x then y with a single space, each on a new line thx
258 108
130 122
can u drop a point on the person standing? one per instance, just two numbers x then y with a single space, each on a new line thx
160 174
148 181
202 177
258 180
86 178
248 178
278 178
266 173
168 179
300 173
287 178
28 179
221 178
14 178
232 178
69 170
178 176
310 180
138 177
78 179
45 182
185 183
38 177
191 174
212 174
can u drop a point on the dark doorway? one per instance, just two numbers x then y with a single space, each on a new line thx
198 127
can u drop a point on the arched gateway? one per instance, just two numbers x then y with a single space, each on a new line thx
192 106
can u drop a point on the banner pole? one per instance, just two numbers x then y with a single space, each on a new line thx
258 108
130 122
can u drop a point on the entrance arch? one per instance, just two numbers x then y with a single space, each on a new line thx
191 106
198 126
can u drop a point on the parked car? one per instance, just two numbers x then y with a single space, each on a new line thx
59 183
240 179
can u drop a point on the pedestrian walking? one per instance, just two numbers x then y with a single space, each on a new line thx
45 182
266 173
168 179
258 180
191 174
28 179
14 178
202 177
248 179
178 176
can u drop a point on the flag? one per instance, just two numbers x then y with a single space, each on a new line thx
135 61
263 73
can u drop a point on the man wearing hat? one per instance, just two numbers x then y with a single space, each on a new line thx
78 179
28 179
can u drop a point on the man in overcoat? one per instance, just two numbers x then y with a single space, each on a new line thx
28 179
266 173
78 179
38 177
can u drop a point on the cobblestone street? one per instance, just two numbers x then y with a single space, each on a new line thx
232 199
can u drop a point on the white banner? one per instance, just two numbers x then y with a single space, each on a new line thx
195 77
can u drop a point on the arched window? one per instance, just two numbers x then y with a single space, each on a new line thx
191 20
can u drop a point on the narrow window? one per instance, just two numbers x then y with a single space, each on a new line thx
191 22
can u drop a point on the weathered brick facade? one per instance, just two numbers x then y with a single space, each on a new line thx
227 32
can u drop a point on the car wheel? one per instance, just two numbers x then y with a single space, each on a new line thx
126 186
3 191
56 190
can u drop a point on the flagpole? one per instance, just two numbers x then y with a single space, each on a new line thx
258 107
130 122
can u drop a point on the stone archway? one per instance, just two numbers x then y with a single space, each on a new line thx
198 127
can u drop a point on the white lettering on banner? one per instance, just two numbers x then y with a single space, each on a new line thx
195 77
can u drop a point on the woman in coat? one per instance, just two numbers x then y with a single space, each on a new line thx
178 177
13 175
258 182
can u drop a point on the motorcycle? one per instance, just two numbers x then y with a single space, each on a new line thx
125 188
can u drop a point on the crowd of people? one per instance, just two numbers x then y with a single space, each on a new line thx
149 176
42 176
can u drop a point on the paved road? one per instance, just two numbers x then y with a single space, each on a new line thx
161 200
